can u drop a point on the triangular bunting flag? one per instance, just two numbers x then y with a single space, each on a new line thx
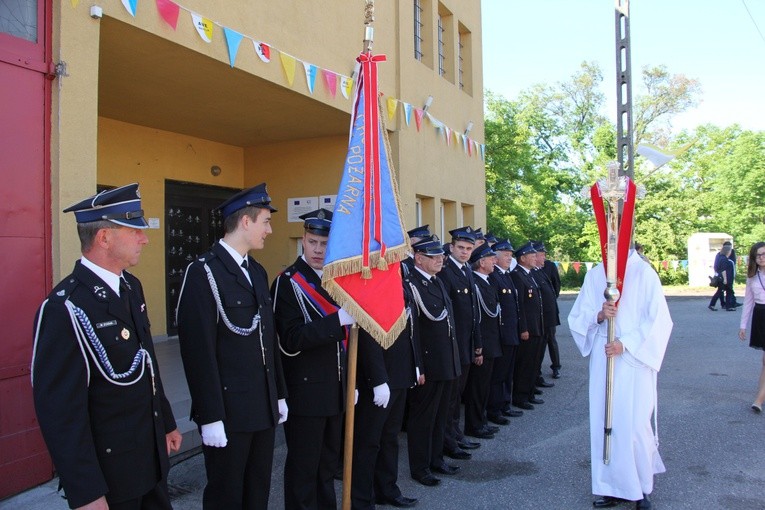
204 27
469 146
169 11
564 265
684 264
391 103
418 114
588 265
288 63
675 263
665 264
233 38
407 113
310 75
130 6
263 50
346 85
330 81
448 135
483 151
75 3
577 266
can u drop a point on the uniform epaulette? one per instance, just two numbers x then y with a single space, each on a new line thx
206 256
64 289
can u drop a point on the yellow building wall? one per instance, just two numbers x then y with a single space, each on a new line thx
129 153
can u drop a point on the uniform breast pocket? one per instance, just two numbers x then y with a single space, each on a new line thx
240 307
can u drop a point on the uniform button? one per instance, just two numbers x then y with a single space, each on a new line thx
305 378
225 388
108 450
239 302
156 413
268 370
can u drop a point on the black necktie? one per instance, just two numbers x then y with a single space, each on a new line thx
466 271
244 264
125 294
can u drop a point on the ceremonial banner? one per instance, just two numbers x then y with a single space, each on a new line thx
367 238
169 11
204 27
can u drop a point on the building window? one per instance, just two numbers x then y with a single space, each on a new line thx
19 18
460 62
441 50
418 29
464 59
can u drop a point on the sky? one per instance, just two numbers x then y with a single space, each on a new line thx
716 42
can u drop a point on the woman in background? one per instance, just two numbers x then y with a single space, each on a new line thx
754 312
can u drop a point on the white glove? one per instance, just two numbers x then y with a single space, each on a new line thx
356 398
214 434
382 395
283 410
345 318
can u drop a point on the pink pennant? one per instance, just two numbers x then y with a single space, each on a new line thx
577 266
169 11
330 80
665 264
418 114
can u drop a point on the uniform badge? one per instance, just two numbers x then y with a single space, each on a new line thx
143 307
61 293
100 291
125 334
530 291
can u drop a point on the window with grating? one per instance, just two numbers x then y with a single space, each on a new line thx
418 30
441 50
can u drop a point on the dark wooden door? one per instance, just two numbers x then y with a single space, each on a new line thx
192 225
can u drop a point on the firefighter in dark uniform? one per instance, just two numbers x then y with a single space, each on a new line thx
312 337
429 403
479 381
416 235
550 270
526 368
512 323
460 285
97 390
383 377
229 350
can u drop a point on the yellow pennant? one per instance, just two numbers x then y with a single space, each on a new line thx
75 3
204 27
288 63
392 104
346 85
565 267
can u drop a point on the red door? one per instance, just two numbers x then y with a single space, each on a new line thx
25 242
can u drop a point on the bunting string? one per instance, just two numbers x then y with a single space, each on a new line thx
169 11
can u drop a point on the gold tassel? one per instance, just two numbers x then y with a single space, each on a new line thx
382 264
366 273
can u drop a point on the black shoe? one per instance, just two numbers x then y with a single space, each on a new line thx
606 502
644 503
535 400
498 419
544 384
428 480
712 308
480 434
556 373
445 469
465 444
524 405
493 429
537 391
738 304
458 454
512 413
732 309
400 502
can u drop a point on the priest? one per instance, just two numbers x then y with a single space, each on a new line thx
643 327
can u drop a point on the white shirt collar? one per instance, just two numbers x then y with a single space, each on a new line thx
111 279
423 273
238 258
317 271
484 276
457 262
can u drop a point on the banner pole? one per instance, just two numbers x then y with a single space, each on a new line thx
350 412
